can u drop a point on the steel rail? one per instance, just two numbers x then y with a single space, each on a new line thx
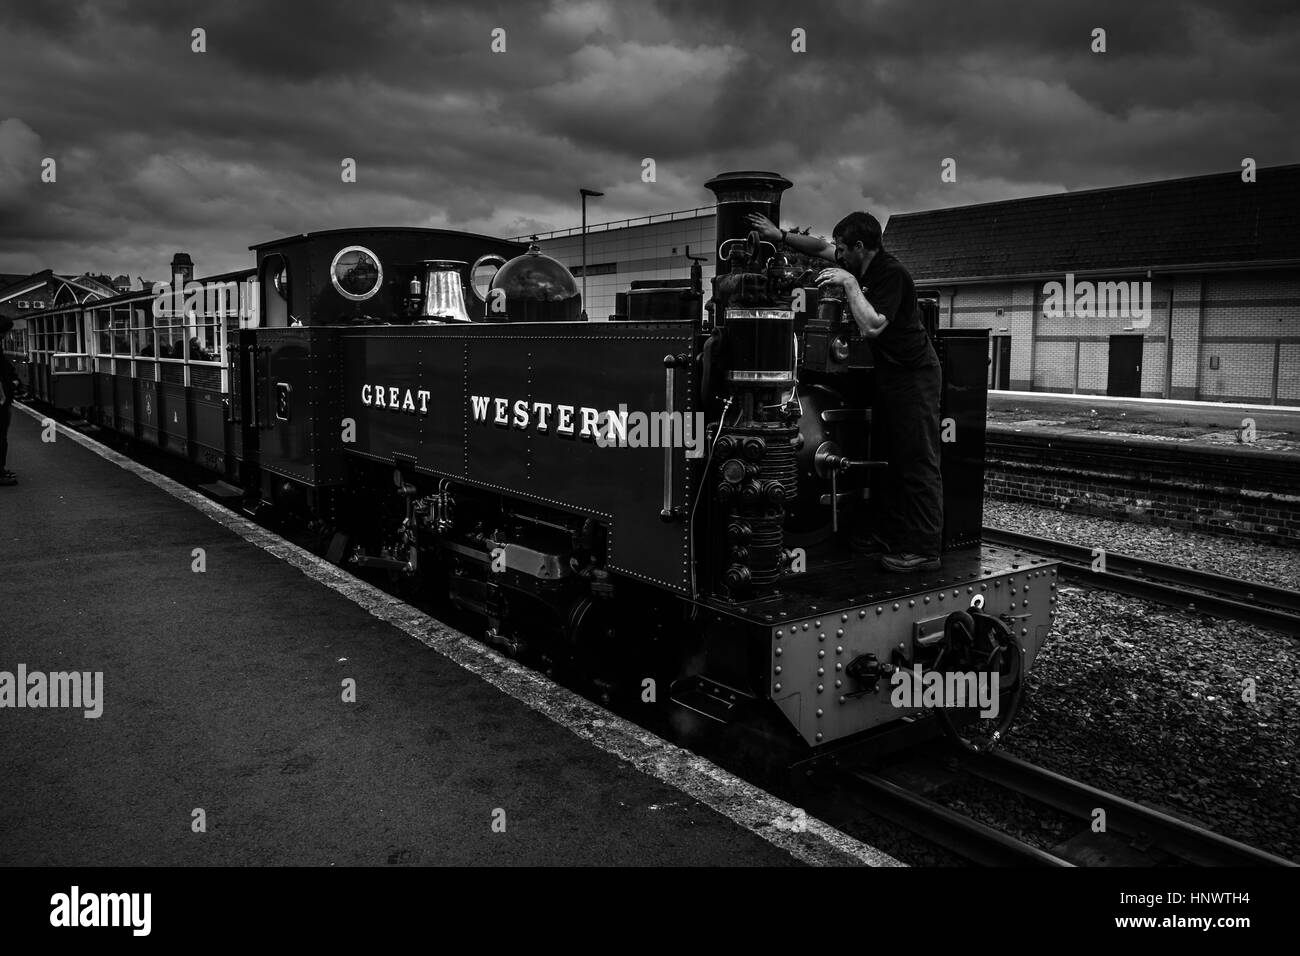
1189 842
971 839
1184 588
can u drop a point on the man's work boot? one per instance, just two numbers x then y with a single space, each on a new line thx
907 561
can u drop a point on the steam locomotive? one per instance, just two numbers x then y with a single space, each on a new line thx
659 501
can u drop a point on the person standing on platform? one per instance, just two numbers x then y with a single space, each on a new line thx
881 300
8 391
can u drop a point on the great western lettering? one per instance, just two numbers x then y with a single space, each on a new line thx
395 398
608 428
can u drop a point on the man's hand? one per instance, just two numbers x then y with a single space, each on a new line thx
767 229
835 276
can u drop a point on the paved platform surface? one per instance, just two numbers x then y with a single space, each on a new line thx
1210 425
222 691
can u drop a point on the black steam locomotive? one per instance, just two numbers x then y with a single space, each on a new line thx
655 499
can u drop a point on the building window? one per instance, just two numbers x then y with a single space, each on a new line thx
603 269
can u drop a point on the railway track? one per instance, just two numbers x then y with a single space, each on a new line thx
1133 834
1184 588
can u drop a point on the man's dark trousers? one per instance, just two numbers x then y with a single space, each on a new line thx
906 507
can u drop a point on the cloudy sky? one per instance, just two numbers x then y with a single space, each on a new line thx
160 149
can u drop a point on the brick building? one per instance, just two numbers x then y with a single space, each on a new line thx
21 295
1220 318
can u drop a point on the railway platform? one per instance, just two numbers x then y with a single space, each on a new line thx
260 707
1219 468
1211 426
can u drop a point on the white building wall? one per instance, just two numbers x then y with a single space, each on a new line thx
637 249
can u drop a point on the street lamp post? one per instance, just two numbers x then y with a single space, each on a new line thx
585 193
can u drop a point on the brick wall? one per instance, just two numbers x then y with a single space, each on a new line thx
1246 503
1186 332
1054 369
976 307
1288 380
1071 352
1022 335
1248 319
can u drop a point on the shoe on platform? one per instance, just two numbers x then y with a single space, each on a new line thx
8 478
907 561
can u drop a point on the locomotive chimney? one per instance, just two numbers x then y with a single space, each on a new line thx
739 194
183 266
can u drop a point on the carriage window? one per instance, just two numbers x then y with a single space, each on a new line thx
203 338
119 325
142 333
103 334
169 326
356 273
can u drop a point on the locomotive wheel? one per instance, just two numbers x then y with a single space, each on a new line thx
591 648
972 640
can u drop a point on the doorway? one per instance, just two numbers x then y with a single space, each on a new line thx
1124 377
274 284
1000 362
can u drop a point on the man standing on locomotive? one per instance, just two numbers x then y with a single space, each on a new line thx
881 298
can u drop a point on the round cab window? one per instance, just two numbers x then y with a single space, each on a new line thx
356 273
482 272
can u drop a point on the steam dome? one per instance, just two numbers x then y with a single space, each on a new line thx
538 289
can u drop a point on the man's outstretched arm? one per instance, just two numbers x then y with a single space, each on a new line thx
808 245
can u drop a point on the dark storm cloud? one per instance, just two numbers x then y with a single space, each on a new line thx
160 149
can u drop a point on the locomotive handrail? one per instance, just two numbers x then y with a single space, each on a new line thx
267 390
231 407
846 415
259 398
248 362
670 512
670 366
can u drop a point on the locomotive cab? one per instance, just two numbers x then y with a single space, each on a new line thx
395 276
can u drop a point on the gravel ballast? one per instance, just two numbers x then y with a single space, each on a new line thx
1234 557
1155 704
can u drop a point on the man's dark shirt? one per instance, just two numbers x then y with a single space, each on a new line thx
891 292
